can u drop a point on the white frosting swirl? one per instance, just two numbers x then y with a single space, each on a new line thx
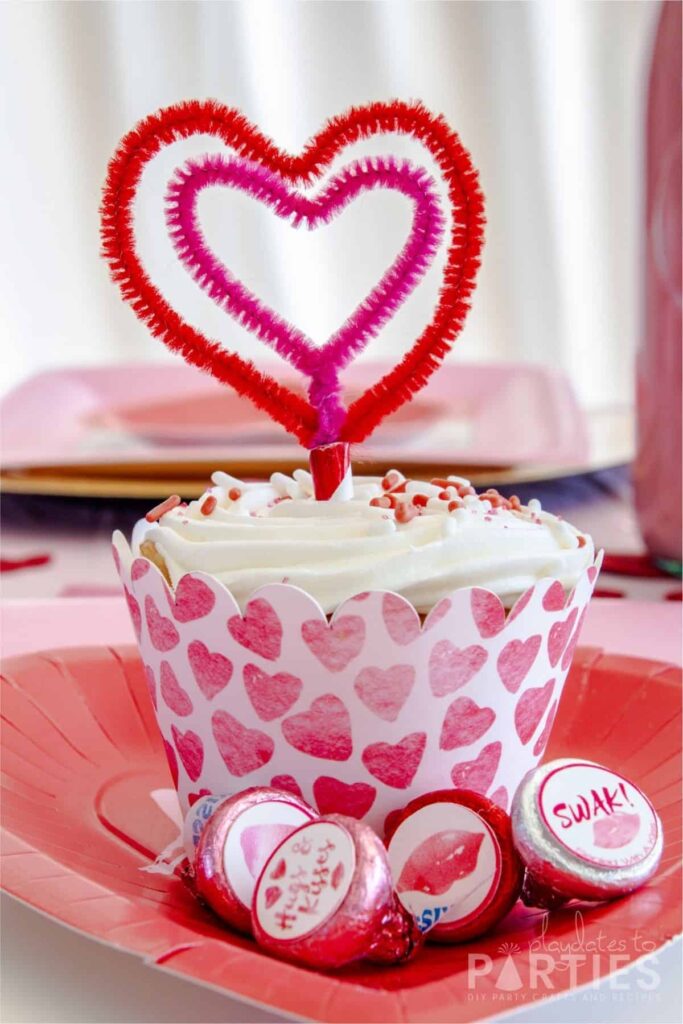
277 532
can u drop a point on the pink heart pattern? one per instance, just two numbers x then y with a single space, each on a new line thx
272 696
337 644
488 613
134 612
190 751
558 637
260 630
385 691
324 731
335 797
515 661
554 597
172 692
451 668
361 715
212 671
172 761
530 709
193 599
162 632
520 604
571 646
139 567
543 737
400 618
395 764
478 774
465 723
438 612
287 783
243 750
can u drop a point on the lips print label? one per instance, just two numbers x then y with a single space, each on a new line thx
446 863
252 839
597 815
306 881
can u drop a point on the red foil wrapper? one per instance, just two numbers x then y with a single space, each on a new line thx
454 863
583 832
331 471
325 898
235 844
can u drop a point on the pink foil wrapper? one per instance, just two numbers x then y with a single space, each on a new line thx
235 843
325 898
358 714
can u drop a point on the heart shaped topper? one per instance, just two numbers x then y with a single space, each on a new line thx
320 364
299 416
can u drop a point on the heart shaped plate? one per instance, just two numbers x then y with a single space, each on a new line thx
85 775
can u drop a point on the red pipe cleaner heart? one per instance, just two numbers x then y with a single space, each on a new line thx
208 117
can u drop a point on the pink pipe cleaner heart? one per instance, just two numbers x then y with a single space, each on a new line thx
231 128
321 364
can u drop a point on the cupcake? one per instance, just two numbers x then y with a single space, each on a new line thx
359 653
360 649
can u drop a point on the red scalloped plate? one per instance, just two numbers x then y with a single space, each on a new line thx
83 766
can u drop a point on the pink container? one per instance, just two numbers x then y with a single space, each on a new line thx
657 470
358 714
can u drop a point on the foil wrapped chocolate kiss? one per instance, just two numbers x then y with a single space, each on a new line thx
583 832
236 837
454 863
325 898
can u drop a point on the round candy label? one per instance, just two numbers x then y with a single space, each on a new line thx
446 864
305 881
252 839
598 815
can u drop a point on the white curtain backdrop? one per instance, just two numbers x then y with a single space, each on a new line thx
547 96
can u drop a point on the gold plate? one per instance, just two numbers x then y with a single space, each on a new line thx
158 483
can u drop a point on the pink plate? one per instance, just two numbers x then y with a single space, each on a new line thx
86 806
173 414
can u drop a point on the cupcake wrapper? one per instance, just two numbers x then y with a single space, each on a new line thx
361 713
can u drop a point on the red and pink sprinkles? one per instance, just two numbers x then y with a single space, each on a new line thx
403 497
453 491
155 514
